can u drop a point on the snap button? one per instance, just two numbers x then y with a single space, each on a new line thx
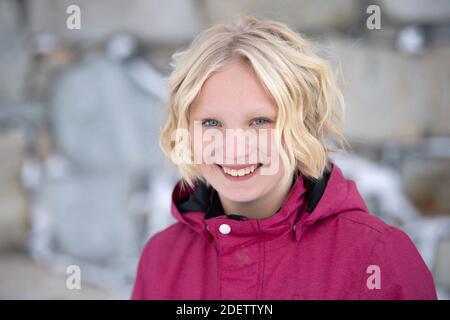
224 228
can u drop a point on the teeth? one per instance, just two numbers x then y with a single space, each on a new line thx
241 172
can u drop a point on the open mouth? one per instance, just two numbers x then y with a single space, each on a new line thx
239 171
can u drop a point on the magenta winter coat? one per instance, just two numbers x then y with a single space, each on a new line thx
337 251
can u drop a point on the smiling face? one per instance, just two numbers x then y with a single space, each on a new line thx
233 103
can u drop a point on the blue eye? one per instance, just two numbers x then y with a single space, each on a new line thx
210 123
215 123
260 121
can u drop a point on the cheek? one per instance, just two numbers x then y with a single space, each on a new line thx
204 152
206 145
267 147
209 172
197 150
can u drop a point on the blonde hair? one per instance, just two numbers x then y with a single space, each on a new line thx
301 83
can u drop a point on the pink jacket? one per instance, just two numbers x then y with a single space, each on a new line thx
336 251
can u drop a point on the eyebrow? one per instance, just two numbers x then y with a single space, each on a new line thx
250 113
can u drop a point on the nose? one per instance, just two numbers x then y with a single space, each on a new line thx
240 147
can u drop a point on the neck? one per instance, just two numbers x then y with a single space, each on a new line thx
259 208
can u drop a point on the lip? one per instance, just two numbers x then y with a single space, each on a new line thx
241 178
240 166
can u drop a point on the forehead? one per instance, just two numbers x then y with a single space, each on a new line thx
235 87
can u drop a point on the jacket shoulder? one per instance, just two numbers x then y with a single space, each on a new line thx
154 258
404 273
167 237
364 219
392 253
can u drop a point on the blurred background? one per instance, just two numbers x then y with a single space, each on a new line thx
82 179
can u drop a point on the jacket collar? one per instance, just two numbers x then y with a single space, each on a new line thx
206 199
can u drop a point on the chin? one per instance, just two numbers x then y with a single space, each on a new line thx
245 195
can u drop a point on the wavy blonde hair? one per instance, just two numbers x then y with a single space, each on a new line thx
301 83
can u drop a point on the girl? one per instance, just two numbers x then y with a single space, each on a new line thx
270 216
